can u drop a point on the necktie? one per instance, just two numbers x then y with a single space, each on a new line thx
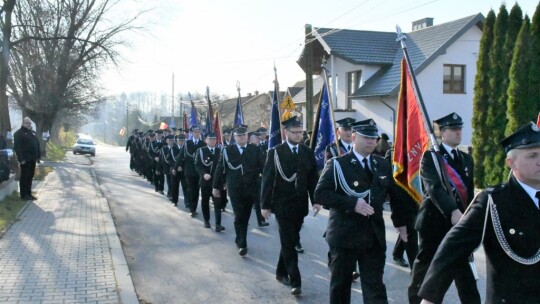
294 150
349 148
212 151
242 150
366 167
195 142
457 160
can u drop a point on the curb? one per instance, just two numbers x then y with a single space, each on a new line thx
126 289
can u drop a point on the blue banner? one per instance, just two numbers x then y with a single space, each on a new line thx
324 132
275 125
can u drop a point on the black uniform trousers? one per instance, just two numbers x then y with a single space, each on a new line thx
27 175
159 179
411 247
289 236
463 276
242 211
176 181
191 196
206 193
371 258
257 205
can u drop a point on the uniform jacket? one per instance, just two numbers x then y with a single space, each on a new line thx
346 227
435 211
331 150
26 145
167 158
241 181
186 159
507 280
206 163
289 197
154 149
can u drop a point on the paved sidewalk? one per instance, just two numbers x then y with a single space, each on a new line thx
65 249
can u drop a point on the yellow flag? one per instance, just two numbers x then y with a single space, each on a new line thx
287 104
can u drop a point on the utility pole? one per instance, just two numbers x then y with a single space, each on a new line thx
309 76
172 99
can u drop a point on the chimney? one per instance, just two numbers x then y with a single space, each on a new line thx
249 94
256 93
422 23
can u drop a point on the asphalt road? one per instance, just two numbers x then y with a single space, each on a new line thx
174 259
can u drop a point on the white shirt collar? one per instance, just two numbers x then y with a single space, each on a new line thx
291 146
361 158
530 191
449 149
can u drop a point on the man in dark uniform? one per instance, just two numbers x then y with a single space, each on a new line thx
226 137
344 133
206 159
186 162
263 132
26 146
254 139
131 148
443 206
166 162
506 220
289 179
147 159
177 177
239 167
154 151
354 188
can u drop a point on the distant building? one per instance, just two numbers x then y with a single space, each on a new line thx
364 70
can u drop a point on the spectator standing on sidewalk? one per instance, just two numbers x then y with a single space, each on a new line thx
26 146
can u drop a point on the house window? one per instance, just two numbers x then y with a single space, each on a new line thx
454 79
354 81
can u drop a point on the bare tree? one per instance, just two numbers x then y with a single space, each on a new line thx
59 49
5 14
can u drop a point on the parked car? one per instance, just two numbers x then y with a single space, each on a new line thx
84 146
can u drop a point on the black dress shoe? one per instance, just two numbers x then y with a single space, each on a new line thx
219 228
284 280
242 251
401 262
33 197
263 224
299 248
296 291
192 214
355 275
207 225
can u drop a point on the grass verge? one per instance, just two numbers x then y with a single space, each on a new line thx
9 208
41 172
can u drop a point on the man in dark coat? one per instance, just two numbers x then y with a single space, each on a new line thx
239 167
506 220
177 178
154 152
186 163
354 187
206 159
443 206
26 146
344 132
166 162
289 179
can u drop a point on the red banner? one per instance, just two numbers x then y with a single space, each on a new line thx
411 138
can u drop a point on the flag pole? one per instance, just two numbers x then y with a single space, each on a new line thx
429 128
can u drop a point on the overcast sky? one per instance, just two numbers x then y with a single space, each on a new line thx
216 43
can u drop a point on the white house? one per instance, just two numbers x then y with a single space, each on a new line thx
364 69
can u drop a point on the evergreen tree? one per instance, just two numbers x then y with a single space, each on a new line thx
481 97
496 112
519 107
534 66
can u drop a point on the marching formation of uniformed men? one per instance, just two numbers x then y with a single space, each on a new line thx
354 185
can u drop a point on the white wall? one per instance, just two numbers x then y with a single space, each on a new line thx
463 51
